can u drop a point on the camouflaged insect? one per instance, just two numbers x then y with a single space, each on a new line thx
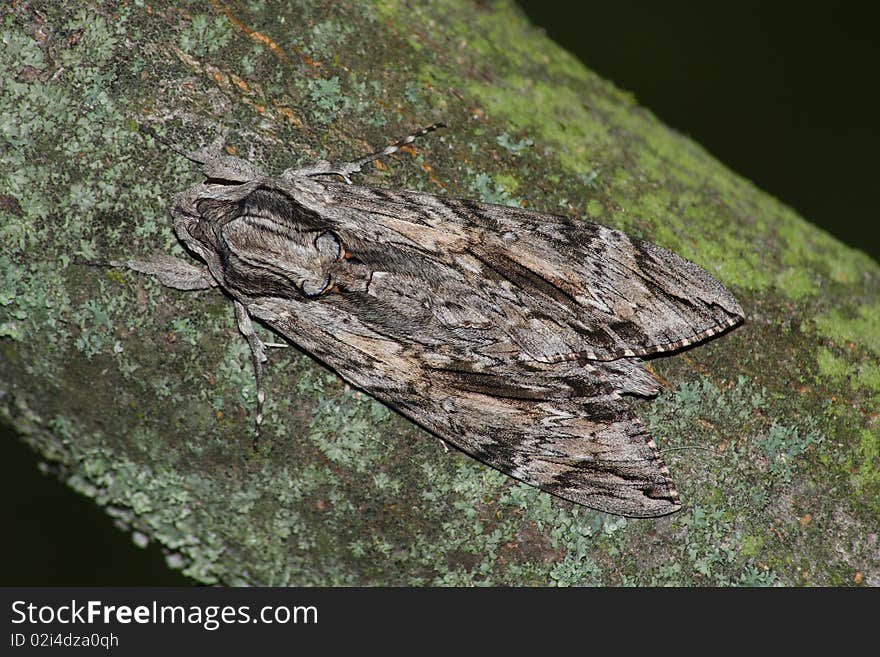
511 334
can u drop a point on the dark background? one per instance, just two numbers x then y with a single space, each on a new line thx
782 94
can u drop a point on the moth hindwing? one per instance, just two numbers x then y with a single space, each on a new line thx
512 334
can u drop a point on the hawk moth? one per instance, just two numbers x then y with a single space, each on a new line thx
512 334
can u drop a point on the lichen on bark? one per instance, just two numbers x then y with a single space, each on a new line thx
140 396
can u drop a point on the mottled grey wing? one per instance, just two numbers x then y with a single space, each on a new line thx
561 427
611 295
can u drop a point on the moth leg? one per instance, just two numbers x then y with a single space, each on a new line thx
258 353
171 272
346 169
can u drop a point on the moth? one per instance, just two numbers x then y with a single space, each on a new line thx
512 334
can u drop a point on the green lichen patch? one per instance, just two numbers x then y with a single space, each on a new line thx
751 478
142 398
205 34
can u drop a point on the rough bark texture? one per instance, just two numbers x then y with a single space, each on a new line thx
140 396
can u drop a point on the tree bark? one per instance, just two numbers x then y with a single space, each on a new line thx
143 398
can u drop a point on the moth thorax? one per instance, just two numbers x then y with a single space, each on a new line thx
313 261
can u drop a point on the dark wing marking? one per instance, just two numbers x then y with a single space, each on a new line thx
560 427
612 295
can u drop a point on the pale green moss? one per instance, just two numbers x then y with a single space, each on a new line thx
867 462
796 282
868 377
830 365
861 328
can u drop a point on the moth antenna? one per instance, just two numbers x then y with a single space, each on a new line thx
393 148
346 169
215 146
106 264
148 130
666 450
